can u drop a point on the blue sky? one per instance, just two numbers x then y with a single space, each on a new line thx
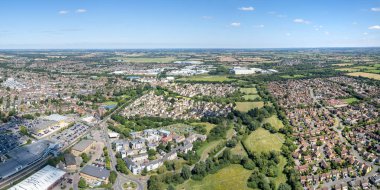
189 23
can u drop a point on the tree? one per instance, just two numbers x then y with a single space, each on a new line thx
185 173
82 183
171 187
24 131
144 172
121 166
112 177
284 186
84 157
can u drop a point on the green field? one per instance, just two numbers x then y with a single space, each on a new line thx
250 97
204 150
146 59
262 140
292 76
207 125
233 177
274 121
248 90
350 100
206 78
246 106
366 75
239 150
281 178
110 103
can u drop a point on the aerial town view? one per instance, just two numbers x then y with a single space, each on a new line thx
190 95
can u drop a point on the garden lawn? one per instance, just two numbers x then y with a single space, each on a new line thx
246 106
274 121
233 177
261 140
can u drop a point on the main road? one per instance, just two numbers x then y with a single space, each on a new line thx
121 178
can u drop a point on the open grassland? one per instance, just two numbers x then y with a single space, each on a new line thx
146 59
205 78
110 103
366 75
233 177
239 150
207 125
343 64
250 97
375 68
248 90
262 140
350 100
274 121
292 76
204 150
246 106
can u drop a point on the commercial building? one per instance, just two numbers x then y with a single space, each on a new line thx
83 146
45 179
245 71
93 174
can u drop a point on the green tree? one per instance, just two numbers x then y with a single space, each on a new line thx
112 177
82 183
185 173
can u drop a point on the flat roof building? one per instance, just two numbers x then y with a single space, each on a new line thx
94 174
44 179
82 147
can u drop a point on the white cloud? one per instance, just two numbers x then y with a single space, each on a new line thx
365 33
375 9
288 34
327 33
259 26
301 21
247 8
375 27
63 12
81 11
235 24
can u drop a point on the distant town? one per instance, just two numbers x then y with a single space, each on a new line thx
190 119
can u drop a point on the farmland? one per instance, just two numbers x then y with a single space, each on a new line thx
366 75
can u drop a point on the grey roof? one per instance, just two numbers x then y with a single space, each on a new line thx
97 172
82 145
70 159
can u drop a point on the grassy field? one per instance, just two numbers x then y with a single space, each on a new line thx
250 97
239 150
275 122
147 59
207 125
233 177
246 106
292 76
206 78
262 140
207 148
366 75
248 90
281 178
350 100
343 64
109 103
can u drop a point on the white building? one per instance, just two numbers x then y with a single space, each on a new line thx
44 179
245 71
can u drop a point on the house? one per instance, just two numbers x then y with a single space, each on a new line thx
136 144
139 157
94 174
187 147
375 179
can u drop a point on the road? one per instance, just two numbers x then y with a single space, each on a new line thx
121 179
